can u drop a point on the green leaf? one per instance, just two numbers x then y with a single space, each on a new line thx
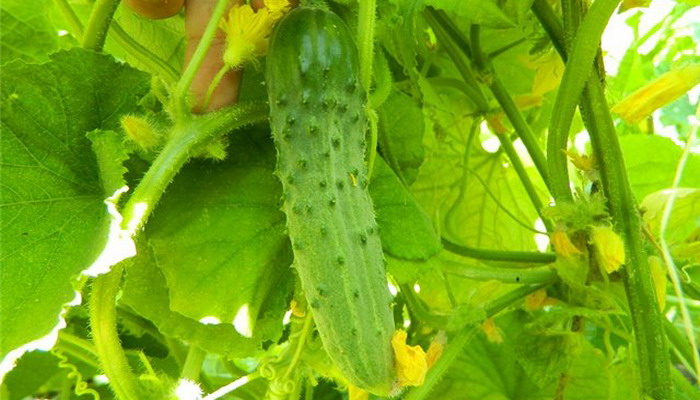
111 154
546 347
685 216
493 371
401 129
483 12
405 230
146 292
651 164
483 205
164 38
33 370
219 236
53 215
26 33
490 371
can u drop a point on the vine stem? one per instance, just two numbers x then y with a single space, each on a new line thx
224 390
184 140
652 354
103 324
193 363
456 345
666 252
367 15
181 92
437 22
71 18
499 255
305 330
519 124
578 68
506 275
98 24
454 41
214 84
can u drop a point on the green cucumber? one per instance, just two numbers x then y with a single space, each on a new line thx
318 124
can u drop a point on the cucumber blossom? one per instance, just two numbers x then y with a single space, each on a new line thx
318 124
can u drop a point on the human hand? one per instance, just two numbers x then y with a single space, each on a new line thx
197 15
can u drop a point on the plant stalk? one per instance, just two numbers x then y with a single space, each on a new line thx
98 24
652 352
103 325
185 139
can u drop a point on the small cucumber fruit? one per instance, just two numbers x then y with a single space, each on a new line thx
318 124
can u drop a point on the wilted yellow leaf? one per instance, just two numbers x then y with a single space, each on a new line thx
657 93
658 275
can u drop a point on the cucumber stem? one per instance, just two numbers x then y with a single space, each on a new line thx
499 255
193 363
69 14
98 24
647 320
103 326
578 68
367 15
184 139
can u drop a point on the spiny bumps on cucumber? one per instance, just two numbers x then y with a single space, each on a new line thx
318 124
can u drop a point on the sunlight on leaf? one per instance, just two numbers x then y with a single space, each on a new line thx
242 322
120 244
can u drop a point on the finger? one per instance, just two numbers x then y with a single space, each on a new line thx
197 14
155 9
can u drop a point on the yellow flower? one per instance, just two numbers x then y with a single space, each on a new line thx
563 246
610 248
247 31
657 93
277 8
411 363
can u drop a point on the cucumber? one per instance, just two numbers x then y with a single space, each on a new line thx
318 125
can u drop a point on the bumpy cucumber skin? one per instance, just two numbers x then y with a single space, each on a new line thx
318 124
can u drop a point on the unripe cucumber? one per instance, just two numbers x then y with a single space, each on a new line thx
318 124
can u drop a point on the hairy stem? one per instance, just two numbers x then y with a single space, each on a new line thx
367 15
578 69
185 138
647 320
98 24
103 325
